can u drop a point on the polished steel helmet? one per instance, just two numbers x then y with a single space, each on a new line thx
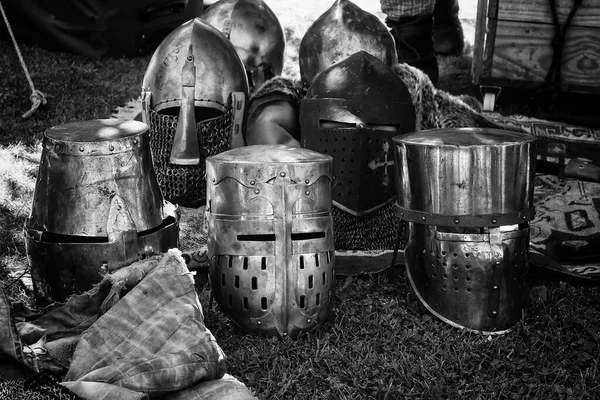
351 112
341 31
270 237
256 34
467 195
96 207
194 100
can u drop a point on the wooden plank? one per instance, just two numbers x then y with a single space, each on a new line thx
480 38
538 11
523 52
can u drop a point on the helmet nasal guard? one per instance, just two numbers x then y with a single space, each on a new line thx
270 237
194 100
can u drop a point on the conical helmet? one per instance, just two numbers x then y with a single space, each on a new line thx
256 34
194 94
341 31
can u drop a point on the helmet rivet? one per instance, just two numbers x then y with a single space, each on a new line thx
256 191
81 148
495 287
57 147
494 312
307 192
134 141
282 174
253 183
214 180
423 218
524 217
456 221
494 221
284 334
306 181
258 323
111 147
309 321
497 262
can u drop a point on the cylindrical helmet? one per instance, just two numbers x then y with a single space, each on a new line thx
194 100
341 31
270 237
96 207
467 195
351 111
256 34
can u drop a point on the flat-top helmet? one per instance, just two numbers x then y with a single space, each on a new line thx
256 34
341 31
193 96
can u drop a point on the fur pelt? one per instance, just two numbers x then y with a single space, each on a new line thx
434 108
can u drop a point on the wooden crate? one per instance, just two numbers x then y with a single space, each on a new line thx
513 45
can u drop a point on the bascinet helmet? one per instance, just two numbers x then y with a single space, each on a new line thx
351 112
194 99
255 32
96 208
270 237
467 195
341 31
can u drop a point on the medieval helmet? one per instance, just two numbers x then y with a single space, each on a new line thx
340 31
194 99
351 111
270 237
256 34
467 195
96 207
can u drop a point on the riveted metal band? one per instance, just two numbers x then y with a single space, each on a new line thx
472 220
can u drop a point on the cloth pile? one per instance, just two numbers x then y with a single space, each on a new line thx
137 334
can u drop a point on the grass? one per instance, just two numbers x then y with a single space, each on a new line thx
379 342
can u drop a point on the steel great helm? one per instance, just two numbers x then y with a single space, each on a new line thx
270 237
256 34
351 112
341 31
194 99
96 207
467 195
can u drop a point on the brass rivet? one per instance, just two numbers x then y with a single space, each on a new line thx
495 287
306 181
456 221
307 192
256 191
423 218
111 147
282 174
81 148
524 217
252 183
134 141
258 323
309 320
214 180
494 312
494 221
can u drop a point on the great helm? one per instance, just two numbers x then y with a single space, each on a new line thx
256 34
270 237
96 206
467 195
351 111
341 31
194 99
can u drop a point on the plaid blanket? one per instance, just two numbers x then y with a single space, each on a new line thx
139 333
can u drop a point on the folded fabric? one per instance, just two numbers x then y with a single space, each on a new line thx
139 333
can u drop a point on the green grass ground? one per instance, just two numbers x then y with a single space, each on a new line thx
379 343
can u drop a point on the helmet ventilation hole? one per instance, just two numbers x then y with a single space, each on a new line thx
245 263
230 262
318 299
246 303
263 263
254 283
223 280
324 279
311 282
263 303
317 260
230 300
237 282
302 301
301 262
